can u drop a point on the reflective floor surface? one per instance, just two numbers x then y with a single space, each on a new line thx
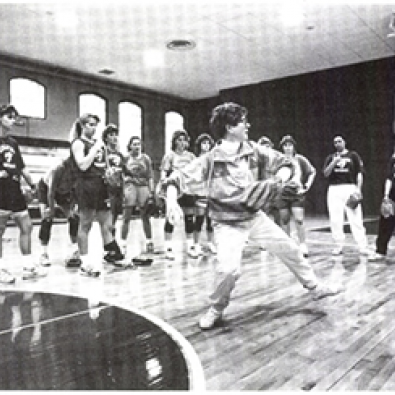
56 342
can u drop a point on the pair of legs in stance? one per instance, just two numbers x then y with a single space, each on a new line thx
66 203
195 213
336 200
201 215
95 207
31 269
263 232
385 232
136 196
295 210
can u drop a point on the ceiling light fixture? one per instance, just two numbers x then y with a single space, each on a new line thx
181 45
106 71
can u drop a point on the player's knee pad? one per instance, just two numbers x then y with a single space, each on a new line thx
73 225
45 230
169 227
189 224
199 222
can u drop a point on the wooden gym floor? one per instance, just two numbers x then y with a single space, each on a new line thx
274 337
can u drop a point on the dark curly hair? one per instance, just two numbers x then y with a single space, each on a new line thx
8 109
200 139
226 114
111 128
176 135
128 147
287 139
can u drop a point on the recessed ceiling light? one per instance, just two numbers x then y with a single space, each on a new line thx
106 71
181 45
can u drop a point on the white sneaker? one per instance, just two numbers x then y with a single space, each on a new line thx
44 260
170 254
304 249
212 247
89 271
198 249
208 320
337 251
365 251
30 273
6 277
322 291
192 252
73 260
74 255
375 256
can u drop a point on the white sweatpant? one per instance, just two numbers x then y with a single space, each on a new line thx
336 200
261 231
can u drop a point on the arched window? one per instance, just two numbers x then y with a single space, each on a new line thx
93 104
28 97
173 121
130 123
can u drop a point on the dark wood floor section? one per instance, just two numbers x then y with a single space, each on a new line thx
274 336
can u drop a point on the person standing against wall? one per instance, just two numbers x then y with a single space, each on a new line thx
115 161
344 171
204 143
12 201
304 176
57 188
138 188
387 215
92 194
176 159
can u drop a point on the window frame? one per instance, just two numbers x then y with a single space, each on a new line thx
44 97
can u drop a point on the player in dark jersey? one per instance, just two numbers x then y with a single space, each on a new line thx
115 161
12 201
344 170
92 195
56 188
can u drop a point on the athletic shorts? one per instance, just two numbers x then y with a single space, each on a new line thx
12 199
187 201
135 196
92 194
297 202
63 200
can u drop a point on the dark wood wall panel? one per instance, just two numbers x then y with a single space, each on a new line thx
354 101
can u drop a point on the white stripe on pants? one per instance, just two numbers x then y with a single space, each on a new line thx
262 231
336 200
